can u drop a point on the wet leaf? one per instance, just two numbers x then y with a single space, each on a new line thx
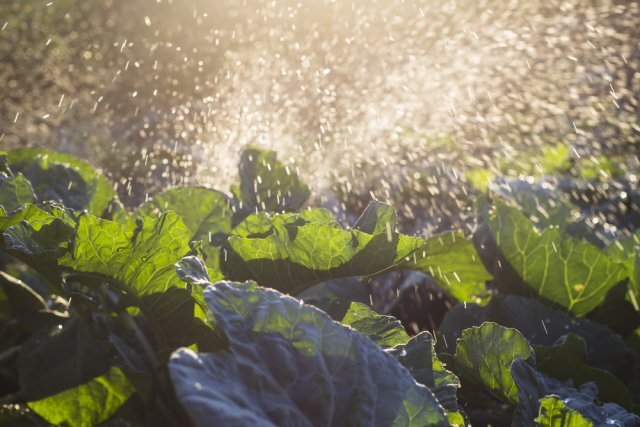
291 252
141 257
566 271
290 364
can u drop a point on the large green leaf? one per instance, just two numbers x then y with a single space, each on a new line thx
62 177
566 271
290 364
554 413
534 386
88 404
15 192
290 252
206 213
419 357
541 325
268 185
566 360
451 259
484 355
141 257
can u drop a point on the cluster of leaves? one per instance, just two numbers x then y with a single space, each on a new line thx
201 307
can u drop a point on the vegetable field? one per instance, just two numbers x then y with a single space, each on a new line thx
319 213
201 307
